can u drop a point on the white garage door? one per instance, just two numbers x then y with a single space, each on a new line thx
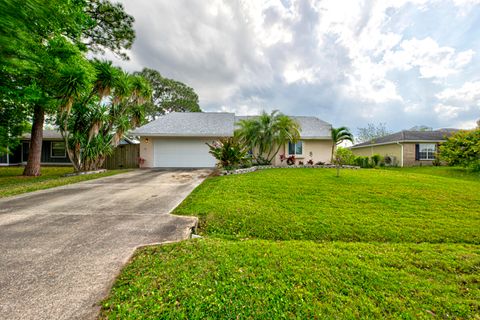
182 153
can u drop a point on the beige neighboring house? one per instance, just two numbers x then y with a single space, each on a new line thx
178 139
405 148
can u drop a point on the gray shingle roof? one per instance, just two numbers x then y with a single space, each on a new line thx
190 124
410 136
47 135
218 124
56 135
312 127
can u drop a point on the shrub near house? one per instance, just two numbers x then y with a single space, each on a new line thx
463 149
230 153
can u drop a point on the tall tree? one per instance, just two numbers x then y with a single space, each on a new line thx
267 133
168 95
12 117
371 131
109 27
27 31
338 136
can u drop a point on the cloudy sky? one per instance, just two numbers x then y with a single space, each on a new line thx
404 63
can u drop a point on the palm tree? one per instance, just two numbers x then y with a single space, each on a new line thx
102 115
286 129
267 133
338 136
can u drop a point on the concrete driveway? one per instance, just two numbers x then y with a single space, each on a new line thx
61 249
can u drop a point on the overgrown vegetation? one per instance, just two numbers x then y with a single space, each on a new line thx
462 149
370 244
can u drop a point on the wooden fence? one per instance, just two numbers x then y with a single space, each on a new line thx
124 156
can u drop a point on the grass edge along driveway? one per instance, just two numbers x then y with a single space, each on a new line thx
239 271
13 183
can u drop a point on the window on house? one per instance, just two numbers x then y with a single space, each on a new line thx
58 150
295 148
427 151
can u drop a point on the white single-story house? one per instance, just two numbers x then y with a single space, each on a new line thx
178 139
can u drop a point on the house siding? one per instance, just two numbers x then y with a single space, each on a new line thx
409 156
396 151
14 158
316 150
146 152
45 156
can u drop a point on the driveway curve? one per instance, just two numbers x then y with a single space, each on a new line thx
61 248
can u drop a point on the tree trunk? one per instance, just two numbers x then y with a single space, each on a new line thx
35 151
275 154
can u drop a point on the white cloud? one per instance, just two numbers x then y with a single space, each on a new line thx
242 110
269 29
455 102
352 61
294 72
447 112
465 6
468 93
432 60
465 124
461 3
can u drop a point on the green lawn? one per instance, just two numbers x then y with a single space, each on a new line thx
361 205
301 243
448 172
12 182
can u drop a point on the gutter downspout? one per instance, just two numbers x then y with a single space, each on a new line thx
401 153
